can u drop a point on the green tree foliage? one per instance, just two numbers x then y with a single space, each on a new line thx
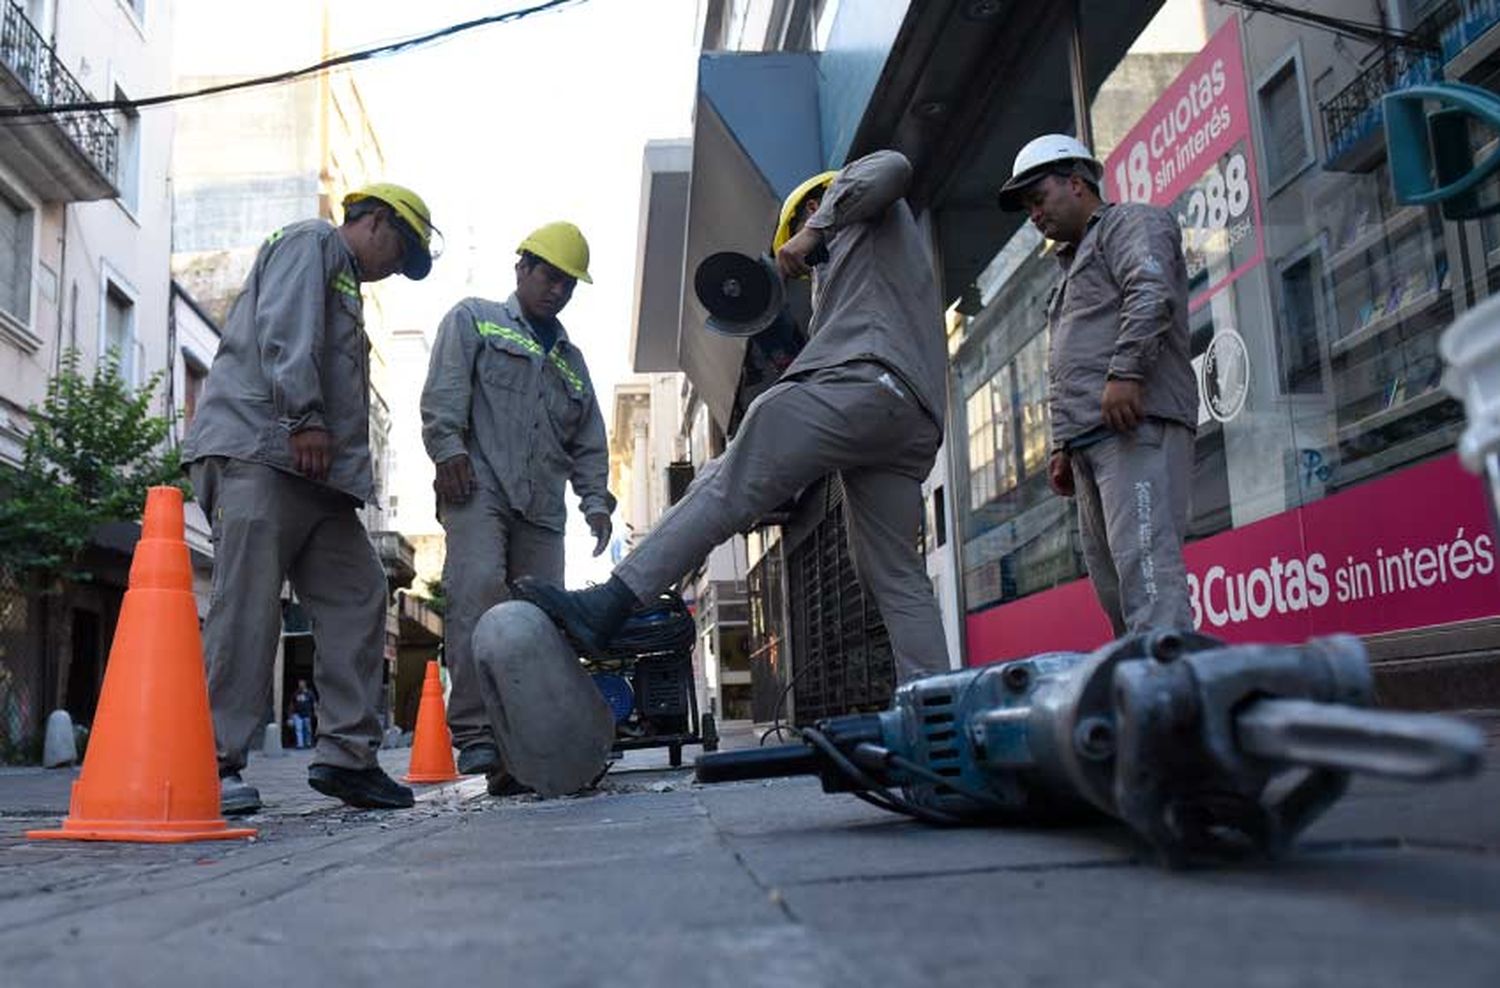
94 449
436 596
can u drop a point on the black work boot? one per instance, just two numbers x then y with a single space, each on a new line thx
479 758
366 788
590 618
236 796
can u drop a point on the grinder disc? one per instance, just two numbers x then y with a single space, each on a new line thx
742 294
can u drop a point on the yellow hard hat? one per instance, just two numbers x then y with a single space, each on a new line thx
414 215
561 245
794 202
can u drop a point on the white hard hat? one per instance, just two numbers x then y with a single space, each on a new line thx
1037 158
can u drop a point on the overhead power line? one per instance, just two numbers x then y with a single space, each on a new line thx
1375 34
348 58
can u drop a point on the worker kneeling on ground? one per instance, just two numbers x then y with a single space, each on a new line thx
863 398
279 456
509 417
1123 396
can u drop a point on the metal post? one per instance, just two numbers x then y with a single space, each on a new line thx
1083 126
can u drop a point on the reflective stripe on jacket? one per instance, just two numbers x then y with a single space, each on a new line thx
527 417
1121 311
293 356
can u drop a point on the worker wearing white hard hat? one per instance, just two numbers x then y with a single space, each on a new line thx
1122 393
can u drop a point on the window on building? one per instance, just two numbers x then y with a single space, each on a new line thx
939 518
16 221
1299 347
119 329
1284 122
981 419
129 174
193 377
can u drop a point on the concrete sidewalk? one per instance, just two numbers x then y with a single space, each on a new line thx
657 880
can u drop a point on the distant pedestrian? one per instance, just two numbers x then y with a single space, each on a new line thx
1123 396
303 704
279 455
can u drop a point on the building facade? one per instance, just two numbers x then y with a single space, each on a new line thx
1326 496
85 239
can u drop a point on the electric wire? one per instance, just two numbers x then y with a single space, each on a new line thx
348 58
1357 30
874 792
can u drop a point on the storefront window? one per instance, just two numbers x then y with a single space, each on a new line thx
1316 298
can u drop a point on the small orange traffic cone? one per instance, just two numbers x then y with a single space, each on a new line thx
150 773
432 747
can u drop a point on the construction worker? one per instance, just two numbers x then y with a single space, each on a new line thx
279 456
865 398
1123 396
509 417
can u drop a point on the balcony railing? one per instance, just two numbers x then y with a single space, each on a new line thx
28 57
1354 118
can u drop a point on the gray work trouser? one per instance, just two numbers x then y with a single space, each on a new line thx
1132 493
860 420
269 526
488 545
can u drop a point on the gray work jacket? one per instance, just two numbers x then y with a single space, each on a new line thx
876 298
1121 311
293 356
527 418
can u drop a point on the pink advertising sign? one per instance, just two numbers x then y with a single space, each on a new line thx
1191 153
1412 550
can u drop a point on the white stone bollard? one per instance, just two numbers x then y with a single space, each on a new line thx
59 747
553 727
272 748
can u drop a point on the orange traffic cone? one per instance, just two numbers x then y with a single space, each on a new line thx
432 747
150 773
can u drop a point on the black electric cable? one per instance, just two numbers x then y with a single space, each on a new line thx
874 792
360 55
907 765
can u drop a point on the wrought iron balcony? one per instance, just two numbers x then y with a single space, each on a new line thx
398 556
68 157
1354 120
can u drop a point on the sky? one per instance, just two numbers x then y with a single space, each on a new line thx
507 127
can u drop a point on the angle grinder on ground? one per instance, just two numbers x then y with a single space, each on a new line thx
1205 750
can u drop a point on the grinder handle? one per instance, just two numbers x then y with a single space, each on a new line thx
757 763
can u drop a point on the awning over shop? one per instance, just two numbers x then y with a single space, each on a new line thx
966 84
755 136
658 274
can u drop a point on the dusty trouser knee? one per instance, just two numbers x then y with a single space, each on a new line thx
488 546
853 415
1133 511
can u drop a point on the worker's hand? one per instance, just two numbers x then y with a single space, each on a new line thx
455 479
1122 405
791 259
602 528
312 453
1060 473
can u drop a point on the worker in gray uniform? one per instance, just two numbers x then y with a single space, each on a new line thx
279 456
1123 395
865 398
509 417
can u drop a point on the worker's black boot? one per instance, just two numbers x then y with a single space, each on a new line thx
479 758
590 618
366 788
